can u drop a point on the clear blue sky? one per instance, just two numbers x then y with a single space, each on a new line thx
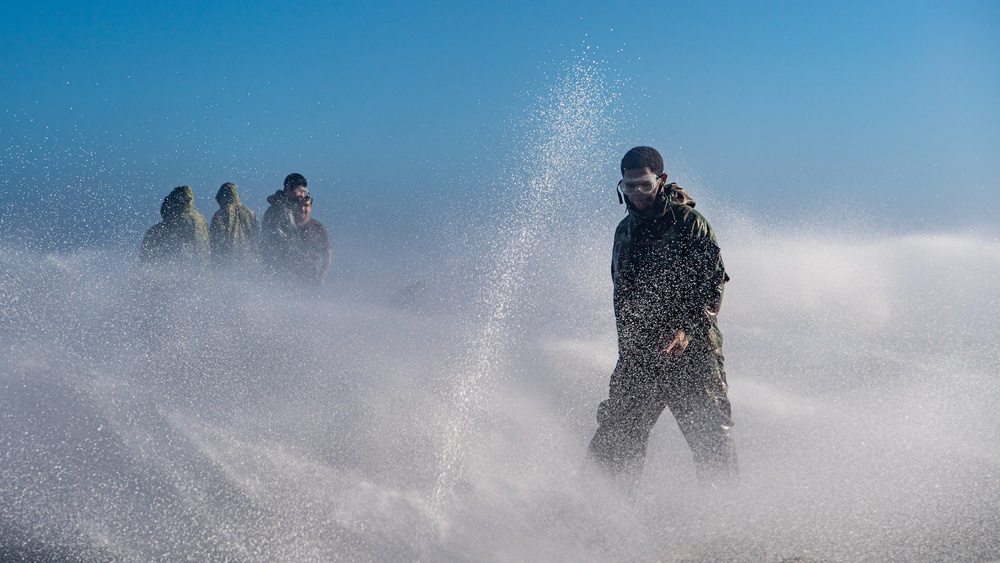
778 106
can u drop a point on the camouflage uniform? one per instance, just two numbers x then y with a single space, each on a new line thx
668 275
234 232
290 249
278 237
310 259
182 235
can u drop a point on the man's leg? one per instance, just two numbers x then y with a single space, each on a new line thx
624 422
703 413
711 445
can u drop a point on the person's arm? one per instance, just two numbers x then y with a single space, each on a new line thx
254 235
201 238
148 246
327 254
709 269
703 296
327 262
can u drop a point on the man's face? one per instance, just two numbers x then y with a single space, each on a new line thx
296 193
641 186
302 210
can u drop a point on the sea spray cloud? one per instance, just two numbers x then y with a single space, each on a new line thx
558 158
304 428
442 411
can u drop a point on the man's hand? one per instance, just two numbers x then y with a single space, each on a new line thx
676 346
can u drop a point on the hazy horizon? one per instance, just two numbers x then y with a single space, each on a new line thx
435 399
787 111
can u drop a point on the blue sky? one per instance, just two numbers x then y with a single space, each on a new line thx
781 107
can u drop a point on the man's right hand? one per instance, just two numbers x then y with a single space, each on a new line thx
676 345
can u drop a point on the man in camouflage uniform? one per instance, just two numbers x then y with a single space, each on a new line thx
234 232
313 256
668 280
182 235
279 236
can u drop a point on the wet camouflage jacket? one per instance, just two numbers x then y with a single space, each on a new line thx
183 233
278 237
310 260
668 274
234 232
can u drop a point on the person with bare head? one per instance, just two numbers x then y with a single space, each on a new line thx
668 280
294 244
279 236
314 254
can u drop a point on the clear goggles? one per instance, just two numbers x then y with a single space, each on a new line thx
643 185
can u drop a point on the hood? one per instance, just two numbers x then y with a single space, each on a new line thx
671 193
277 198
679 196
227 195
180 200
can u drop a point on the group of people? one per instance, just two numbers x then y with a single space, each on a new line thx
287 242
668 280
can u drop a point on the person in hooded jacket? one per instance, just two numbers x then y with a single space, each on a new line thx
668 280
234 233
279 235
181 235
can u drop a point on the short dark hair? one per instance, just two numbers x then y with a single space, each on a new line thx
643 157
295 180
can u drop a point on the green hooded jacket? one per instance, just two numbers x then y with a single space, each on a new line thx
182 235
279 236
234 232
668 274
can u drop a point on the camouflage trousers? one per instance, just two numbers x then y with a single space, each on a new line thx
693 387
